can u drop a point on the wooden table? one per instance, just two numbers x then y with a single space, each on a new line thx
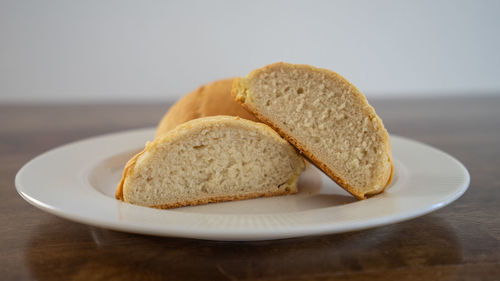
458 242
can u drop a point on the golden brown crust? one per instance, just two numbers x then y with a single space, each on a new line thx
221 199
240 85
172 134
208 100
130 165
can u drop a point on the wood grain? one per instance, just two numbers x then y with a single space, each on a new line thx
458 242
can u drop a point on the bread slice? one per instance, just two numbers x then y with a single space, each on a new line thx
327 118
211 159
208 100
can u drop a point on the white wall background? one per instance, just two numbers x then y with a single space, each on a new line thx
67 51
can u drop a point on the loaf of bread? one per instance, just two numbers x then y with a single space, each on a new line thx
211 159
208 100
327 118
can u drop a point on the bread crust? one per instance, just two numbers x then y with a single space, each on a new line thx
214 120
220 199
126 171
208 100
240 86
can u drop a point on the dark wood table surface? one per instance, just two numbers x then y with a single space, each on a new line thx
458 242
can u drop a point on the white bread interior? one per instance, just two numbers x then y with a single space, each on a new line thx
211 159
327 118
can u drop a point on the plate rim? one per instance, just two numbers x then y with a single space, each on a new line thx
233 234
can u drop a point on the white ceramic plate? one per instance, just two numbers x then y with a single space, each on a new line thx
77 182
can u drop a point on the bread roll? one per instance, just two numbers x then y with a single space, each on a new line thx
211 159
327 118
208 100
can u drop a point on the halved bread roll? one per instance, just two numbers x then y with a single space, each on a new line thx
211 159
208 100
327 118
